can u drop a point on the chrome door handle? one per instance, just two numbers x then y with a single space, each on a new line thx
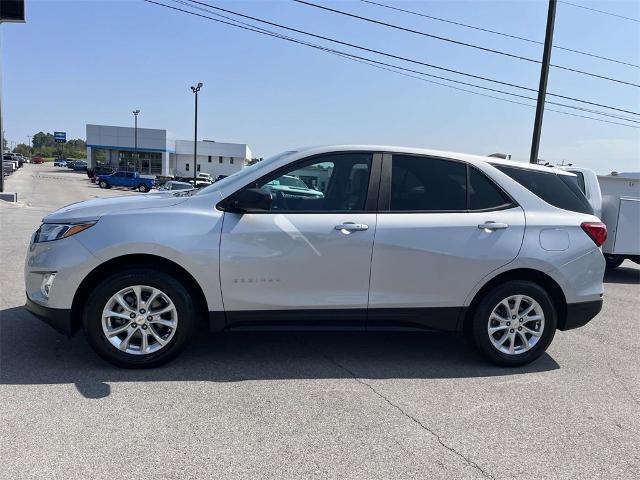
490 226
348 227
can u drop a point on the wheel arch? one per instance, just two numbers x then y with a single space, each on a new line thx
136 261
535 276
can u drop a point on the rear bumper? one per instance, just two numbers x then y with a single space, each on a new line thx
57 318
579 314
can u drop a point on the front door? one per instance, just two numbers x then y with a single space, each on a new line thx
306 259
443 226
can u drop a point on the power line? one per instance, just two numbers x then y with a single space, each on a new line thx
382 65
405 59
600 11
465 44
495 32
394 68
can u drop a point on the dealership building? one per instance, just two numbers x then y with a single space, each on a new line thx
157 154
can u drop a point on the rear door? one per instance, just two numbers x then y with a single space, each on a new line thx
443 225
306 259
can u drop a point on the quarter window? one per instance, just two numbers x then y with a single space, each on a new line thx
427 184
553 189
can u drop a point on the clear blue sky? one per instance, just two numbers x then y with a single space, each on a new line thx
78 62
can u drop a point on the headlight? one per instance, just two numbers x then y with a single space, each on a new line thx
55 231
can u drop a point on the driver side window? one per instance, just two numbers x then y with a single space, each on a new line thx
333 183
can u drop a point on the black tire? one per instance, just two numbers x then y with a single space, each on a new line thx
103 184
92 317
143 188
613 261
483 311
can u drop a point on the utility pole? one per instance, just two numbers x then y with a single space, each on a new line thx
135 140
195 90
544 75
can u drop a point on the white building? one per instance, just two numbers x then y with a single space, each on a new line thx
116 146
156 154
216 158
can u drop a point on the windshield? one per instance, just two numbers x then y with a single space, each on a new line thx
242 173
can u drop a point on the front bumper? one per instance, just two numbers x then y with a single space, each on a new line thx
579 314
57 318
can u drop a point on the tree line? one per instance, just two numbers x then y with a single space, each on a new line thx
43 144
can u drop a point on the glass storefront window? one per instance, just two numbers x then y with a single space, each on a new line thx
147 163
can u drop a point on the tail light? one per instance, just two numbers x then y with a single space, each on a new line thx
597 231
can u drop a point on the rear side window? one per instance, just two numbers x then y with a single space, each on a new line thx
553 189
484 194
419 184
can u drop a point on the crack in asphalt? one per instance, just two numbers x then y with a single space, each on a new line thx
435 435
622 383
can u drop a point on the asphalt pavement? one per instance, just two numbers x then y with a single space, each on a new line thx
312 405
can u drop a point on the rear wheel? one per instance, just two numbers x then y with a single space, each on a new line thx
514 323
613 261
140 318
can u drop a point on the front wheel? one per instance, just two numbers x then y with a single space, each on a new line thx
143 188
140 318
514 323
103 184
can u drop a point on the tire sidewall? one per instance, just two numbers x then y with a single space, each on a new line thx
92 317
486 306
613 261
103 184
143 188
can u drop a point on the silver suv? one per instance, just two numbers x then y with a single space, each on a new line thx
503 252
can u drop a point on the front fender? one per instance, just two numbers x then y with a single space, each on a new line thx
190 239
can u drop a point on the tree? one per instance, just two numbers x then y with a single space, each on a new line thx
41 140
22 149
254 160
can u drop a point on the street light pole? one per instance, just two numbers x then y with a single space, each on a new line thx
135 139
195 90
544 75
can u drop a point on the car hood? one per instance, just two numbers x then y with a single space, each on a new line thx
91 210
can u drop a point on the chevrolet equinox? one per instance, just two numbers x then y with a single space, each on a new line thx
501 251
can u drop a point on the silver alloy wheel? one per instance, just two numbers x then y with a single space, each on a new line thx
516 324
139 320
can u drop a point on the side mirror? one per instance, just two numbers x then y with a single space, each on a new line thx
250 200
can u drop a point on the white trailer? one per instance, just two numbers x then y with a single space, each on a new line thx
621 215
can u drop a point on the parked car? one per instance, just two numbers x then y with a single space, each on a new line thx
100 170
205 176
400 238
60 163
172 185
126 179
70 164
37 159
289 185
79 165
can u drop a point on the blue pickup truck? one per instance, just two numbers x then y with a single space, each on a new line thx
126 179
